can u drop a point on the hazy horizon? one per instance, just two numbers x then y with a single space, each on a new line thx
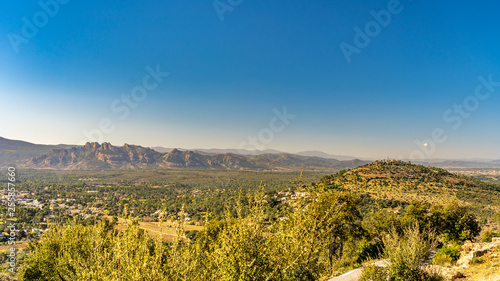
380 79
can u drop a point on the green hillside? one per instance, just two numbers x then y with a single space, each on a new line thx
406 182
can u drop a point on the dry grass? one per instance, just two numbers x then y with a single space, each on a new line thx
167 230
4 248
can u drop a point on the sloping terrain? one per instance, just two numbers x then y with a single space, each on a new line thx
403 181
14 151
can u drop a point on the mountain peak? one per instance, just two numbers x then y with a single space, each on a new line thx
92 145
96 145
106 146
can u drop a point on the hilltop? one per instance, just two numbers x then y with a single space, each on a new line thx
400 181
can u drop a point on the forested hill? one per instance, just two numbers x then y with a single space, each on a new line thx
404 182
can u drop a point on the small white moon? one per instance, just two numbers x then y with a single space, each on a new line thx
426 144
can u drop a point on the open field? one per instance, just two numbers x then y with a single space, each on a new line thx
167 230
19 246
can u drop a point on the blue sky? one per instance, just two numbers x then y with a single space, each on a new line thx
226 76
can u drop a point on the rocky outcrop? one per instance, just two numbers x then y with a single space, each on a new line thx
93 156
91 146
471 250
56 157
463 267
446 272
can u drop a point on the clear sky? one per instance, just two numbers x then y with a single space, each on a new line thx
355 81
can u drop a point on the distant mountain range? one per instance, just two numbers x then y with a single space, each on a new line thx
220 151
13 151
106 156
314 153
95 156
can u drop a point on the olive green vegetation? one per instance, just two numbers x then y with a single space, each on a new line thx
240 247
380 185
146 191
251 233
406 253
65 195
305 246
488 234
447 255
374 273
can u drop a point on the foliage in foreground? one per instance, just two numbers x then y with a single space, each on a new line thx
374 273
407 252
323 233
316 234
240 247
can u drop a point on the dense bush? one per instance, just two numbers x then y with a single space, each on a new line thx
368 250
374 273
455 222
407 252
447 255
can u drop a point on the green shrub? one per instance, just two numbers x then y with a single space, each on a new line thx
368 250
447 255
349 258
95 252
477 260
374 273
191 234
443 260
407 252
456 222
488 235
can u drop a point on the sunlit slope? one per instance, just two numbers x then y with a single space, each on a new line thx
403 181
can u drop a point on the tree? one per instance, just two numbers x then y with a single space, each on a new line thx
417 212
455 222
